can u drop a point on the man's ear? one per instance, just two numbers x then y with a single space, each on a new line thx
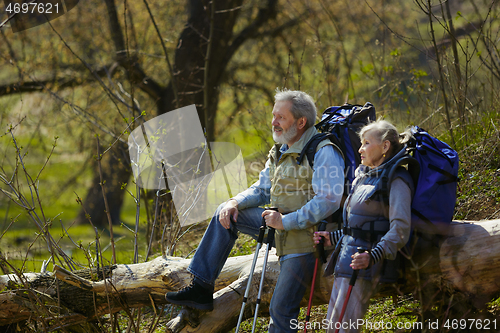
301 123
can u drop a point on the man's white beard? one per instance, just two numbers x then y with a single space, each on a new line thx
286 136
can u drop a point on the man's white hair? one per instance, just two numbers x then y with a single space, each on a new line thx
302 104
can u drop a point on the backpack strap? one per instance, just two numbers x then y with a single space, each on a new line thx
451 178
389 172
413 168
371 235
310 148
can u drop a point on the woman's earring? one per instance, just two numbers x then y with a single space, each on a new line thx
383 156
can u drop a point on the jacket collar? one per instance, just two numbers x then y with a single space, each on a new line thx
364 170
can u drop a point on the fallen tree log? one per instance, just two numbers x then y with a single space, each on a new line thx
467 261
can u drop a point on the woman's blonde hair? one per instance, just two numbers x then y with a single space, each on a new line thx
384 130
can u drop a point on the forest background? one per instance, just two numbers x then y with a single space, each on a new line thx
72 90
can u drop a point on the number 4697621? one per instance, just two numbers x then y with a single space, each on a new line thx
32 7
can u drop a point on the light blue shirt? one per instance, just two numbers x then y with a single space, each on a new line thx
327 183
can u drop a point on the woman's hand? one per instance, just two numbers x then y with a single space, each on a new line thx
326 236
360 260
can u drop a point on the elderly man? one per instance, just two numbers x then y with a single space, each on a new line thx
304 197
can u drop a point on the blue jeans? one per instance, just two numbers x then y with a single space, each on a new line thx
295 277
295 271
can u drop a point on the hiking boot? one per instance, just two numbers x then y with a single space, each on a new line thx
194 296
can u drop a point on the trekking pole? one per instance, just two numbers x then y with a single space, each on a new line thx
351 284
260 239
320 253
269 242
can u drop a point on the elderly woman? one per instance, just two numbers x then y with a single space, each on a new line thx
379 225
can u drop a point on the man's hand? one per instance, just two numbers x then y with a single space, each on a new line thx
229 209
273 219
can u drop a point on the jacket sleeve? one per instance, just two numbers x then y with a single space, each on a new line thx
335 237
400 197
258 194
328 185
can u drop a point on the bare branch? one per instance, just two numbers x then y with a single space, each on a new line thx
265 14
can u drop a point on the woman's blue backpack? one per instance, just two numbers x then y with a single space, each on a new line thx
435 196
434 169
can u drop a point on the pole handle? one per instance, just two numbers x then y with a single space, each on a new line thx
262 231
354 275
320 247
271 231
270 236
361 249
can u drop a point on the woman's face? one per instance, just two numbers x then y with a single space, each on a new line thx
372 151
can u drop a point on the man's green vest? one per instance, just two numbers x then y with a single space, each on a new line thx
291 188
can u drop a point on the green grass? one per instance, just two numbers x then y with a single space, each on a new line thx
22 242
59 184
384 315
25 248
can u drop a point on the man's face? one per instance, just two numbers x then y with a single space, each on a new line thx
284 124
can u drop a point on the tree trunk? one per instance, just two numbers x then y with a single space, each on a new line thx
205 47
467 263
116 170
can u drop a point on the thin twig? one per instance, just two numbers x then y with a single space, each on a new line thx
106 204
170 69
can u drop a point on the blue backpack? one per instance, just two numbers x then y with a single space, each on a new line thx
436 193
341 125
433 166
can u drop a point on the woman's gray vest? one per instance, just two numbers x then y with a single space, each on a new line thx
366 220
